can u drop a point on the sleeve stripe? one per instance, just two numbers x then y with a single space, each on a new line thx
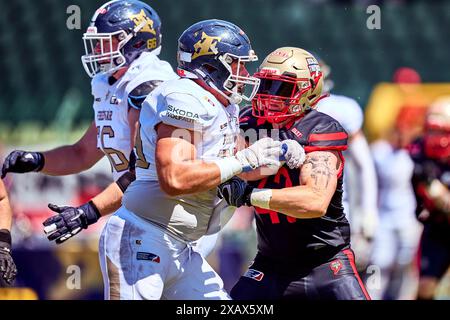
131 104
327 136
325 148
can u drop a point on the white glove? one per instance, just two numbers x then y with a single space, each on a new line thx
293 153
264 152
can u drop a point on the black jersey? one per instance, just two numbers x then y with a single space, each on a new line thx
425 171
301 240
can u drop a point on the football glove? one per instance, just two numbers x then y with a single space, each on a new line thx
8 268
69 221
236 192
264 152
23 161
293 153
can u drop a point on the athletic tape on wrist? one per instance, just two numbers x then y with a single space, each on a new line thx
261 198
229 167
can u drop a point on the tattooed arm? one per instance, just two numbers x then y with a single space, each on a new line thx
318 180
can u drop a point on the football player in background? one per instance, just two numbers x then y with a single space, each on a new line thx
122 45
397 237
303 235
188 132
8 269
360 180
431 181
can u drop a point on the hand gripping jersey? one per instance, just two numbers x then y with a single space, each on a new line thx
111 103
183 104
301 240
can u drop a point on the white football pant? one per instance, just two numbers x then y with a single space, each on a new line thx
140 261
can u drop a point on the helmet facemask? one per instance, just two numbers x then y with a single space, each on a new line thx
236 83
282 97
102 56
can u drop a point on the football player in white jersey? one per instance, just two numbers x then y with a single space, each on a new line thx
360 184
397 237
122 45
187 142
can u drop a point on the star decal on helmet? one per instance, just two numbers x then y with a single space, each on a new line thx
141 17
206 45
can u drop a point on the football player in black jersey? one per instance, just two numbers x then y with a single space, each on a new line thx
303 235
431 181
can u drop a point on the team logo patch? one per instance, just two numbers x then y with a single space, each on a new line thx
336 266
254 274
148 256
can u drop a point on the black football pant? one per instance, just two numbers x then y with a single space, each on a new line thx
336 279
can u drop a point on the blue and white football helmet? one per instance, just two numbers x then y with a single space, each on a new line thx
119 32
215 51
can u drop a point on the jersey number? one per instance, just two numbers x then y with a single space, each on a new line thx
141 162
122 164
274 216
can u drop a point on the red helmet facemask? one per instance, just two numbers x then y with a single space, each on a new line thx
437 145
278 97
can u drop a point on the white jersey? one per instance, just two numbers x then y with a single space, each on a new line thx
394 169
111 107
349 114
345 110
183 104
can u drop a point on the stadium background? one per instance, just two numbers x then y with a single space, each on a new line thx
45 96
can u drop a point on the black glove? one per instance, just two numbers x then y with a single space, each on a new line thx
236 192
8 268
23 161
69 221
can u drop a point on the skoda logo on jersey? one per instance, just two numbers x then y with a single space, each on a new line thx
206 45
181 114
140 18
254 274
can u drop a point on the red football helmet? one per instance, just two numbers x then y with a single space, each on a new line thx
437 130
290 83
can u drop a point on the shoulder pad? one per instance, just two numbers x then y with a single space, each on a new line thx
187 110
319 132
138 94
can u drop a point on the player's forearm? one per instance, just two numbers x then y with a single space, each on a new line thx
109 200
189 177
5 209
69 160
302 202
